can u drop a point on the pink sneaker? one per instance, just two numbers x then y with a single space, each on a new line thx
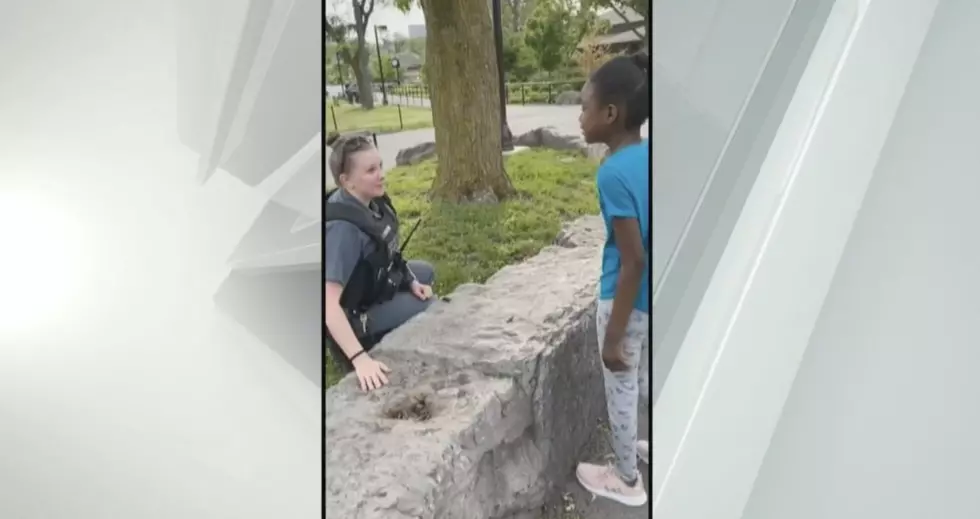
603 481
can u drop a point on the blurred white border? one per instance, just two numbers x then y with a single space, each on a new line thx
725 393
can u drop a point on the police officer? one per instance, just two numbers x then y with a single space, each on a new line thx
370 290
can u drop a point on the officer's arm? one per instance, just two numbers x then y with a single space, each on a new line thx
409 275
341 247
337 323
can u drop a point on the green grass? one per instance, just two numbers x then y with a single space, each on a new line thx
381 119
333 372
468 243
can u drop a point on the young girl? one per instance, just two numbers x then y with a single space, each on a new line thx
615 104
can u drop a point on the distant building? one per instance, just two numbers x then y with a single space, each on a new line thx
626 33
416 31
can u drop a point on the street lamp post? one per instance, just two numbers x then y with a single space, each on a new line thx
340 69
498 37
381 68
397 65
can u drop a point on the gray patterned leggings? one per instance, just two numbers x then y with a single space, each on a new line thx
624 389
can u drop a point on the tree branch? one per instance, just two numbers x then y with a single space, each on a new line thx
635 30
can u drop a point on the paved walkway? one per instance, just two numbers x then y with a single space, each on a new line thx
520 118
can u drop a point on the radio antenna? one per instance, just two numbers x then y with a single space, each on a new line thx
410 234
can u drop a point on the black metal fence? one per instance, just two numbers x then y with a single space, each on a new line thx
541 92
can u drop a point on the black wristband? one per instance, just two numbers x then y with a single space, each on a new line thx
354 356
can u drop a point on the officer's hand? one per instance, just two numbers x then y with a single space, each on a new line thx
370 373
421 291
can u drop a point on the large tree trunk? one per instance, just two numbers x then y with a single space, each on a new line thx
461 69
362 72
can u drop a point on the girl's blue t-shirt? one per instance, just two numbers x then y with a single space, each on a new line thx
623 183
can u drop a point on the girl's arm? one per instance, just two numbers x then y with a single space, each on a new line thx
337 322
629 241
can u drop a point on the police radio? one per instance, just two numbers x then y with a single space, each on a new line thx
395 273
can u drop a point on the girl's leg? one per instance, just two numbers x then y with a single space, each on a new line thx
623 390
621 482
644 377
643 374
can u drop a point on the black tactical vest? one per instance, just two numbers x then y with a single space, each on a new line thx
380 274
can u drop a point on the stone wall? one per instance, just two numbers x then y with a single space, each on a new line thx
493 395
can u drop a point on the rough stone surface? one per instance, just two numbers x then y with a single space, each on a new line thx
569 97
415 154
507 372
581 233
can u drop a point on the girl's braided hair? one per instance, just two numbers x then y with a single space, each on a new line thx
625 81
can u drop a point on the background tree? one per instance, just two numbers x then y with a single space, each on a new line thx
515 14
548 33
337 75
641 7
461 72
363 9
338 44
356 53
555 29
399 44
389 71
330 62
591 55
519 60
416 46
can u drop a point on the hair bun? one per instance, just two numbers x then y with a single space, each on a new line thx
332 137
641 60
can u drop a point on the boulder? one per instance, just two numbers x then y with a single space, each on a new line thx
415 154
548 137
492 398
569 97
